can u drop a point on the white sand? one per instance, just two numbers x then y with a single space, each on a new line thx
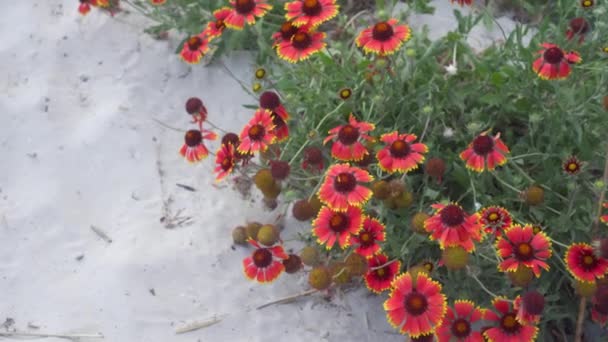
78 148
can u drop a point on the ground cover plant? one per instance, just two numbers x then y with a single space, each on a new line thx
466 187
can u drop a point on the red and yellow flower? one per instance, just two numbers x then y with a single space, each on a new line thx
265 263
225 161
604 218
257 135
521 246
85 6
270 100
459 323
158 2
554 63
584 264
572 166
485 152
400 154
285 33
302 44
523 316
380 273
194 49
194 149
245 11
311 12
452 226
215 28
495 219
506 327
463 2
368 237
313 157
331 226
415 307
341 188
347 145
384 38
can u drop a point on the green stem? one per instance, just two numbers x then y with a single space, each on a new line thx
521 156
505 183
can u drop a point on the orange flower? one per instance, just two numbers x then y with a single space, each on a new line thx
604 218
285 33
341 188
461 323
415 307
520 246
225 160
485 149
399 154
347 146
194 149
265 263
331 226
554 63
258 133
311 12
384 38
452 226
302 44
245 10
378 279
367 239
584 264
215 28
495 219
505 325
194 49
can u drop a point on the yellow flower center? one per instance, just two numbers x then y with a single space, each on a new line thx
588 260
493 217
572 167
509 321
381 272
524 250
366 237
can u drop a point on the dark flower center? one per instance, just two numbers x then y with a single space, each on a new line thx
382 31
301 40
194 105
400 149
193 137
288 30
509 324
269 100
524 251
461 328
194 43
493 217
256 132
348 134
277 121
313 155
339 222
227 164
382 273
244 6
483 144
366 238
415 303
553 55
588 261
579 25
230 138
345 182
219 24
452 215
311 7
262 258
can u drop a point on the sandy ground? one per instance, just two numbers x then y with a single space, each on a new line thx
79 149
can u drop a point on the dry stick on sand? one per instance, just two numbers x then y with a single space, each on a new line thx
101 234
192 326
578 337
41 335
